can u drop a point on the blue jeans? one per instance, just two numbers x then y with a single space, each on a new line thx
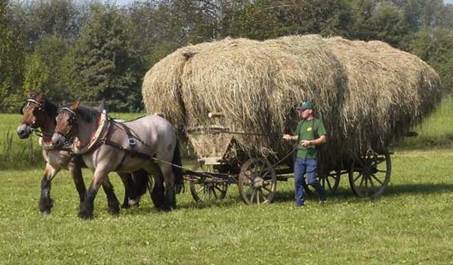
304 166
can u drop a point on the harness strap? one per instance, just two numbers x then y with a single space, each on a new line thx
131 152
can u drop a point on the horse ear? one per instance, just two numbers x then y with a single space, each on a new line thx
40 98
75 104
101 106
32 94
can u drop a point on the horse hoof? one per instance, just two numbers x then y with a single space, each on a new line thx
85 216
114 211
45 212
45 205
133 203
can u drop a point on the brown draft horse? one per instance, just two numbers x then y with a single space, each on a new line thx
148 142
38 114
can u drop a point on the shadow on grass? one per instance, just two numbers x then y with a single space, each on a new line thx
342 195
421 188
426 143
150 208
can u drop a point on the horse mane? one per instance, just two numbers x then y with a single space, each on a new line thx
88 114
50 108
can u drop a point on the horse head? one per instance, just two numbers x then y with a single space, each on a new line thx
66 127
37 112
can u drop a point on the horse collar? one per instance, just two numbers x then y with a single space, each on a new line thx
97 138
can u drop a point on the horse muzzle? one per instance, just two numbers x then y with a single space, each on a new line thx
58 140
23 131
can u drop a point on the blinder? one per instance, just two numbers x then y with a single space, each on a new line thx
72 119
27 102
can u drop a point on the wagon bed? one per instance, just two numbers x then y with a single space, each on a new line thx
221 163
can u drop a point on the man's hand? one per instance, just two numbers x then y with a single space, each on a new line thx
306 143
288 137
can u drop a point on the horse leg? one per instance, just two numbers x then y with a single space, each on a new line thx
170 190
112 201
45 202
127 182
76 172
86 211
140 183
157 194
128 189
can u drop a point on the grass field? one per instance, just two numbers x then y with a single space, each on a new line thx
411 224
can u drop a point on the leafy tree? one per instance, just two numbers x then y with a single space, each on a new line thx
106 68
37 19
45 69
11 62
266 19
435 46
388 24
257 21
379 20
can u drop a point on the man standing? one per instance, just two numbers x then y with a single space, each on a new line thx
310 133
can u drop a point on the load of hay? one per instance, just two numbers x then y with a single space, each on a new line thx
367 93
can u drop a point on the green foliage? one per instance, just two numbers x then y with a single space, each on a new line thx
46 69
37 19
14 152
11 62
436 47
120 43
257 21
268 19
106 68
383 21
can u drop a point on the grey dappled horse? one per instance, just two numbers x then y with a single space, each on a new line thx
38 114
149 142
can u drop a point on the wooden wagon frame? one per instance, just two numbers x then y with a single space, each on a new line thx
257 175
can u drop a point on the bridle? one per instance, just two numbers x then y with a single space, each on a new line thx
71 121
39 106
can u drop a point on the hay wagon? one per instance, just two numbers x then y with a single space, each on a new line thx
369 95
221 162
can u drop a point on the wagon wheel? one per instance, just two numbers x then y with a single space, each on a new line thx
329 182
370 174
207 189
257 181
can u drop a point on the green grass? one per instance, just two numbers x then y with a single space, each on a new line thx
411 224
436 131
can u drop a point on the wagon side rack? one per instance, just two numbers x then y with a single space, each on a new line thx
368 173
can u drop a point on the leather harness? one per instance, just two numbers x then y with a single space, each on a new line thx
132 143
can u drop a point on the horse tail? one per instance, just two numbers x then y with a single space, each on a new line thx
177 170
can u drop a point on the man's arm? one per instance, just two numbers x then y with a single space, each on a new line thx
321 140
290 137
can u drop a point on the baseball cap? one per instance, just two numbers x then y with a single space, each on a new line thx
305 105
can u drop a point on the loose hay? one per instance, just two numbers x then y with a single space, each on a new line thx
367 93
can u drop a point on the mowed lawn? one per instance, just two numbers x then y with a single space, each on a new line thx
412 223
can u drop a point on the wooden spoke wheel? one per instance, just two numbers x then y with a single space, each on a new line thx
370 174
257 181
207 189
330 181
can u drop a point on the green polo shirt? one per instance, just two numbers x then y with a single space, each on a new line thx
309 130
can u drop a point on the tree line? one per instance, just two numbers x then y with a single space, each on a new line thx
100 51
